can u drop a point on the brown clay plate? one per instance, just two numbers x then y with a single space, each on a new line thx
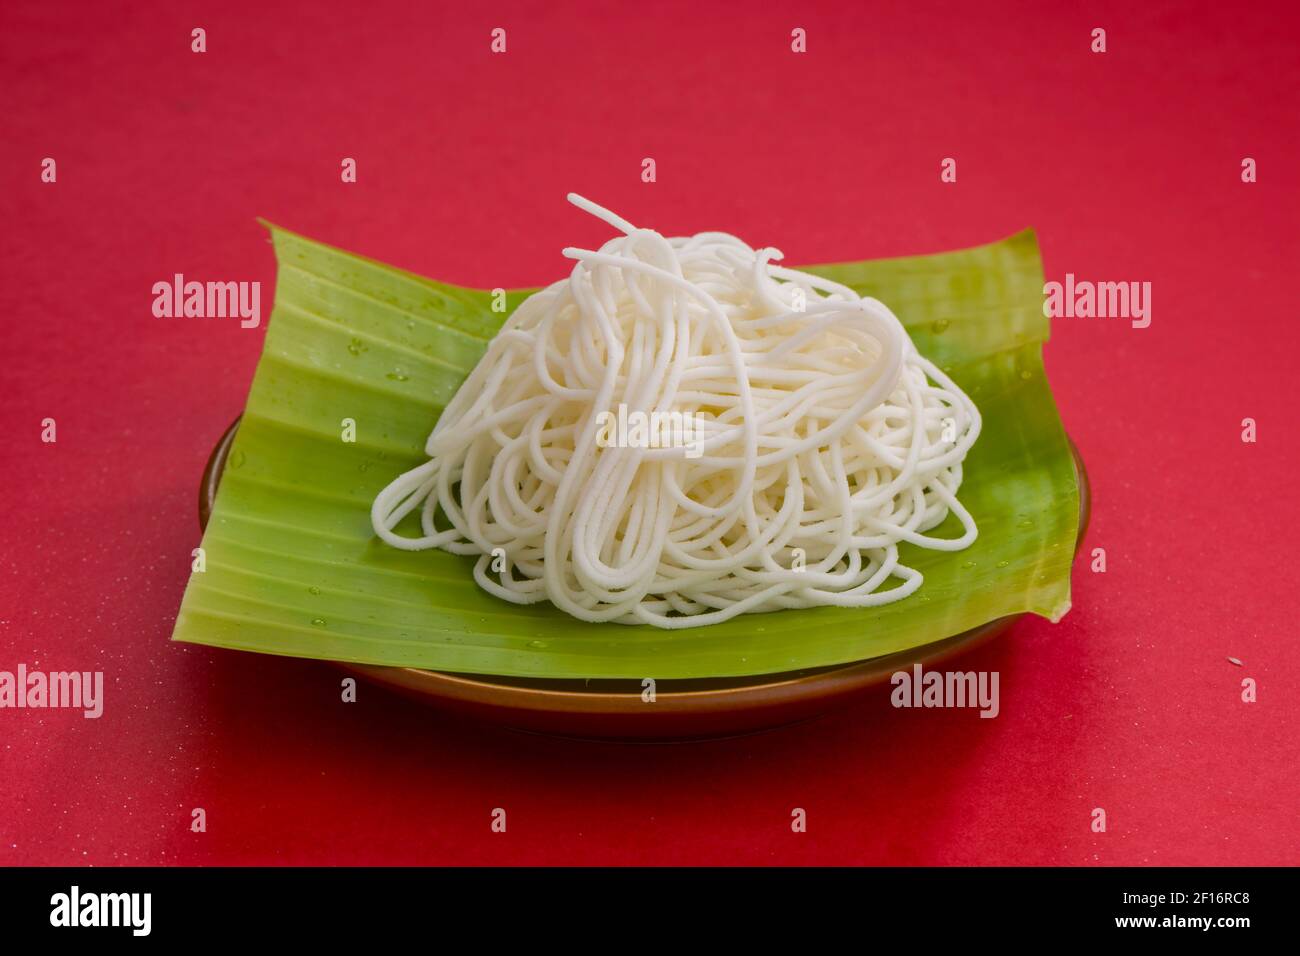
682 709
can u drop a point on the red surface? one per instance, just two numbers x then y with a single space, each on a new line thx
1128 165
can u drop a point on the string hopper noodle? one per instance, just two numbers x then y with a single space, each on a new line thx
819 440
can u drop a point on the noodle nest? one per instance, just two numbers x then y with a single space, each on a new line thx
682 431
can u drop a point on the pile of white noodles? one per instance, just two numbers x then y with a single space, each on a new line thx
817 439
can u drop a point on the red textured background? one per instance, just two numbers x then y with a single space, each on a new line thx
1128 165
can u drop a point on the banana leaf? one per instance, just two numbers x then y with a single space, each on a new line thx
292 566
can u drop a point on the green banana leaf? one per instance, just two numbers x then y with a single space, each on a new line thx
292 566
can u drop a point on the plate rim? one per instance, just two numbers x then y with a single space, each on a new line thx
747 693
